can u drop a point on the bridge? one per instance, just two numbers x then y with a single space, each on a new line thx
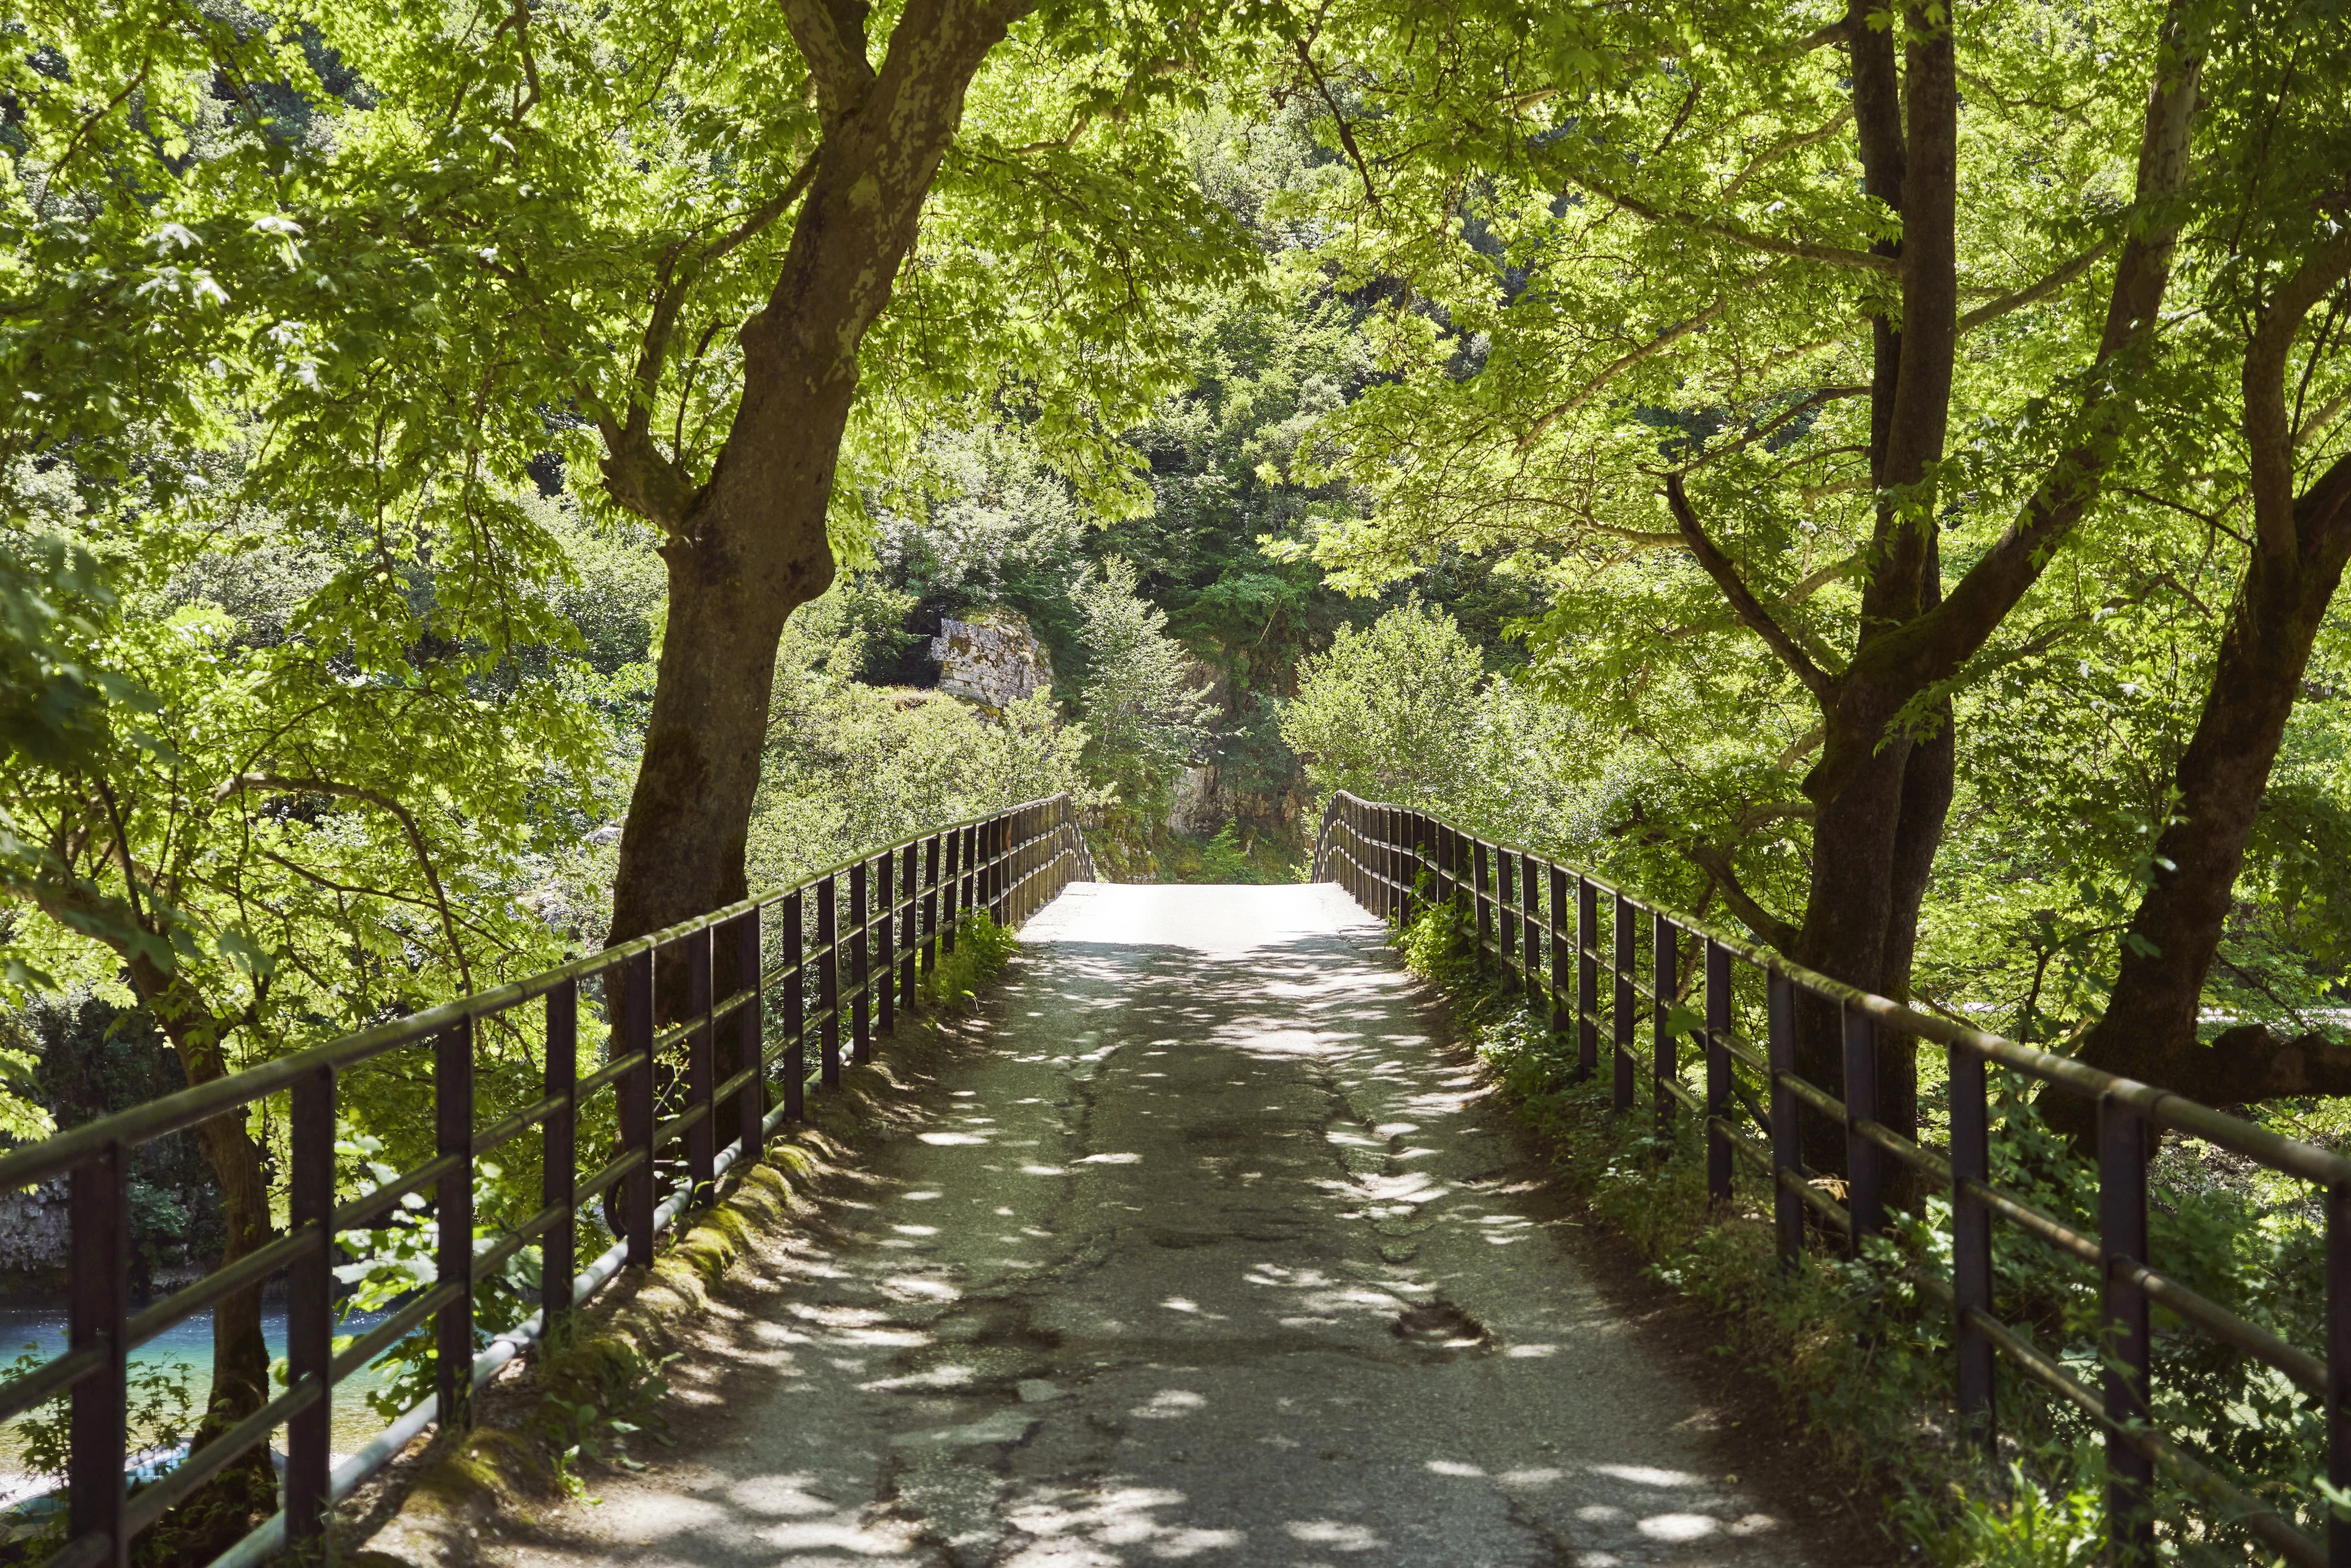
1217 1246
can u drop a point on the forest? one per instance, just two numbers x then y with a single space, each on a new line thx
486 480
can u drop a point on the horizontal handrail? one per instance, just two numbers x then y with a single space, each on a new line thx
858 936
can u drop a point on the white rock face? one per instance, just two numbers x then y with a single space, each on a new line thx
992 659
1196 808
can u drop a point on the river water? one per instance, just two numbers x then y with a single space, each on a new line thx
187 1347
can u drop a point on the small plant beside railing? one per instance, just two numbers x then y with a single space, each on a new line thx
982 948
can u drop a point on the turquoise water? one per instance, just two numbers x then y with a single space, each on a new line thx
188 1345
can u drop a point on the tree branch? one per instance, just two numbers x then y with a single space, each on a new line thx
241 782
1806 250
832 41
1743 602
765 214
1775 932
2268 432
1788 144
1346 132
2033 294
1762 432
1624 362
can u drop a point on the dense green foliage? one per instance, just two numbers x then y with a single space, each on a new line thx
1477 405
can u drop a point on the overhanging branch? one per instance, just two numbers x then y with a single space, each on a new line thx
1743 602
242 782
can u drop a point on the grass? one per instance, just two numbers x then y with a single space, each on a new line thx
982 949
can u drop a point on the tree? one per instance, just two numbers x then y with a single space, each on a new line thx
1391 712
281 824
1145 717
1674 331
2272 251
750 542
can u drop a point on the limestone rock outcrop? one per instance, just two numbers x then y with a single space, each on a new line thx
993 659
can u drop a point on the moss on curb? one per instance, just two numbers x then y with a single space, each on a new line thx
504 1469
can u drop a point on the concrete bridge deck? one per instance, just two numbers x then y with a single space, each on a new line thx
1214 1253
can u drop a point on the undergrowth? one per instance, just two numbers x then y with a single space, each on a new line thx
982 949
1863 1362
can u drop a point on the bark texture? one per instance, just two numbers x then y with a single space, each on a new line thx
1882 787
750 545
2299 549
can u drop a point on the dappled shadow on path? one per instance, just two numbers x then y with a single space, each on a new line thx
1207 1250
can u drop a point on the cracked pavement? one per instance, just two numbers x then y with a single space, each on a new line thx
1212 1251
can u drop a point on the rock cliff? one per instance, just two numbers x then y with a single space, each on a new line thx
993 659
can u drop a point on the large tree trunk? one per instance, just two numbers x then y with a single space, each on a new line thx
1876 833
751 546
1877 825
222 1510
2300 548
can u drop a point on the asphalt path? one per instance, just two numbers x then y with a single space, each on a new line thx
1212 1251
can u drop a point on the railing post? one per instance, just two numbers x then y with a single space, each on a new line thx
910 957
930 903
1718 1072
751 1036
861 974
1529 926
998 877
886 951
1351 851
636 1095
1664 1050
948 885
2122 1239
1506 916
1359 856
453 1205
1625 926
309 1306
1484 904
1971 1244
967 891
1562 982
559 1164
828 981
1390 864
1587 979
96 1307
1864 1167
1030 896
1787 1153
2338 1367
701 1136
795 1054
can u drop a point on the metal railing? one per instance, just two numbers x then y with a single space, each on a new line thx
1539 921
903 904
